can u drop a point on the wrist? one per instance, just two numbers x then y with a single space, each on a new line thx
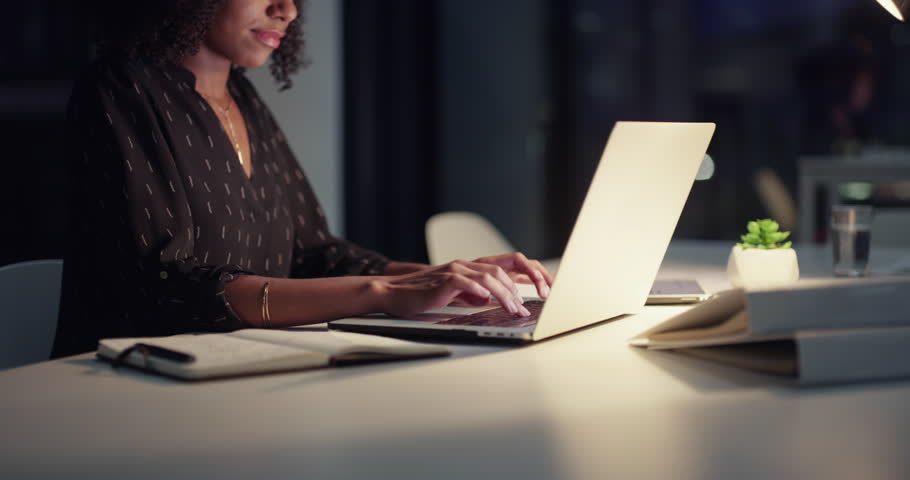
377 292
402 268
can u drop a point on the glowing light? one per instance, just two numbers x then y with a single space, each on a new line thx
891 7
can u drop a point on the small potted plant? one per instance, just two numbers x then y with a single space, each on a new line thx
763 259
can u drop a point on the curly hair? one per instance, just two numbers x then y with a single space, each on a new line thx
160 31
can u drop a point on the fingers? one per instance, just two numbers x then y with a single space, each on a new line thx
536 272
464 300
503 278
434 287
532 268
544 278
508 298
468 286
543 271
496 281
520 278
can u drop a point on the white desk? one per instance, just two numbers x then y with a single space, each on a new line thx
582 405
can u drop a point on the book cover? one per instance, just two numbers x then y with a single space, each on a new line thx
823 331
256 351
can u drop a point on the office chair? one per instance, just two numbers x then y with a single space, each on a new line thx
464 235
29 303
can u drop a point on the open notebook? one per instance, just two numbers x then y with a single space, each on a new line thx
255 351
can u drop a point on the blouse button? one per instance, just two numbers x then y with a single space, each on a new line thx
163 275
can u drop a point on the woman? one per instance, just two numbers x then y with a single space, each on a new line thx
189 212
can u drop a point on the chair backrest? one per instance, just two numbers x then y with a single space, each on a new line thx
463 235
29 303
778 201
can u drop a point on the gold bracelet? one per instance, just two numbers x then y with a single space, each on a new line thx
266 318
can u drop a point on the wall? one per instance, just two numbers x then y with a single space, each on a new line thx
494 104
310 112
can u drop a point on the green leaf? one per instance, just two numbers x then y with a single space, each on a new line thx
763 233
775 237
767 225
786 245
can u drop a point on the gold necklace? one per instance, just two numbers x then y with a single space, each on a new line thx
226 112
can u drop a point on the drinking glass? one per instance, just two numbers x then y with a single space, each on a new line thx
850 235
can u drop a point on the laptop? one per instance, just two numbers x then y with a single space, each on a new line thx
613 254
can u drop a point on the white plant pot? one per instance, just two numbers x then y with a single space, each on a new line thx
754 268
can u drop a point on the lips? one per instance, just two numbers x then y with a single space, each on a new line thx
271 38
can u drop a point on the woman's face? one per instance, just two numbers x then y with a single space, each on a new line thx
247 31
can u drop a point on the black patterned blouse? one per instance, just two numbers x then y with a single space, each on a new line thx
162 215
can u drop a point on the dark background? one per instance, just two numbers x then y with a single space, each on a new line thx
503 107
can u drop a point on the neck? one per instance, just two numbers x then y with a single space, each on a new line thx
211 71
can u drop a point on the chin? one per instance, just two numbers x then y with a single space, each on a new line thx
251 61
250 56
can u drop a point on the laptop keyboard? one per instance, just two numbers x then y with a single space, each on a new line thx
498 317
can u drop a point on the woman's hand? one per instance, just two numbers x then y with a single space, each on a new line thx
522 270
471 282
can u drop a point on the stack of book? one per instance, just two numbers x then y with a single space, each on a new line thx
820 331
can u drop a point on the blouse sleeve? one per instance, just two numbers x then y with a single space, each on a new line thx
336 257
142 220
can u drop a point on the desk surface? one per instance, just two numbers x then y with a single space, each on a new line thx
583 405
